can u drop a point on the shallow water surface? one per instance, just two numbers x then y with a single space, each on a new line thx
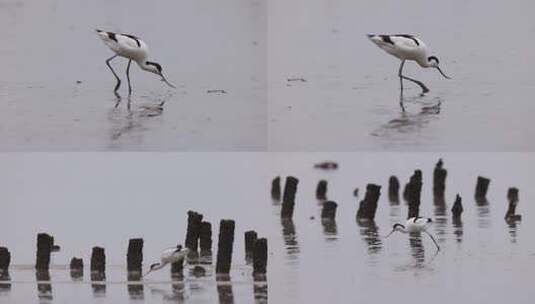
56 92
350 93
483 258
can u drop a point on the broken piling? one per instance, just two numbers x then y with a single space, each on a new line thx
368 206
134 256
321 190
482 187
224 246
288 200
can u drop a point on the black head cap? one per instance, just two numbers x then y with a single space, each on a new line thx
431 58
157 65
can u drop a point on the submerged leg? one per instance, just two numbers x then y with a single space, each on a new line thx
117 77
432 238
128 77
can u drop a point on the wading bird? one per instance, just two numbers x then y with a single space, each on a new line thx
414 224
132 48
407 47
169 256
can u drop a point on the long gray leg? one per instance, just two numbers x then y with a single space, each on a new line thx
401 77
432 238
128 77
117 77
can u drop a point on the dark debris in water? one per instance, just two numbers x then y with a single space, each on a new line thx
220 91
295 79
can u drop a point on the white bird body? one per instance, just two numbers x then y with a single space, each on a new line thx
132 48
169 256
403 47
414 225
407 47
127 46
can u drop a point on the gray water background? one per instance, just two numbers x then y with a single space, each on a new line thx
47 46
92 199
350 98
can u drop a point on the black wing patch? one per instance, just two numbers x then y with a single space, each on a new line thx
134 38
112 36
408 37
386 38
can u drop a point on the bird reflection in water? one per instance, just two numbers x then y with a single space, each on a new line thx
44 290
99 286
370 234
132 120
410 123
135 291
224 289
290 238
4 277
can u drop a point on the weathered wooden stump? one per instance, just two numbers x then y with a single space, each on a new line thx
414 191
276 188
194 230
45 244
205 238
457 208
512 196
134 256
393 190
482 187
77 269
329 210
250 239
224 246
288 200
5 259
439 180
260 256
368 205
98 260
321 190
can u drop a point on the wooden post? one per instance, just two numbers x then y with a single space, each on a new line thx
5 259
482 187
276 188
414 191
77 269
393 190
512 196
134 257
250 239
45 244
205 238
260 256
321 190
288 201
328 211
457 208
368 206
193 232
439 181
98 260
224 246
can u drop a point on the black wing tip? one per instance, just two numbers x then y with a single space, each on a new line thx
98 31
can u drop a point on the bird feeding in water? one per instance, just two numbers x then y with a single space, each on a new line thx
169 256
407 47
132 48
414 224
